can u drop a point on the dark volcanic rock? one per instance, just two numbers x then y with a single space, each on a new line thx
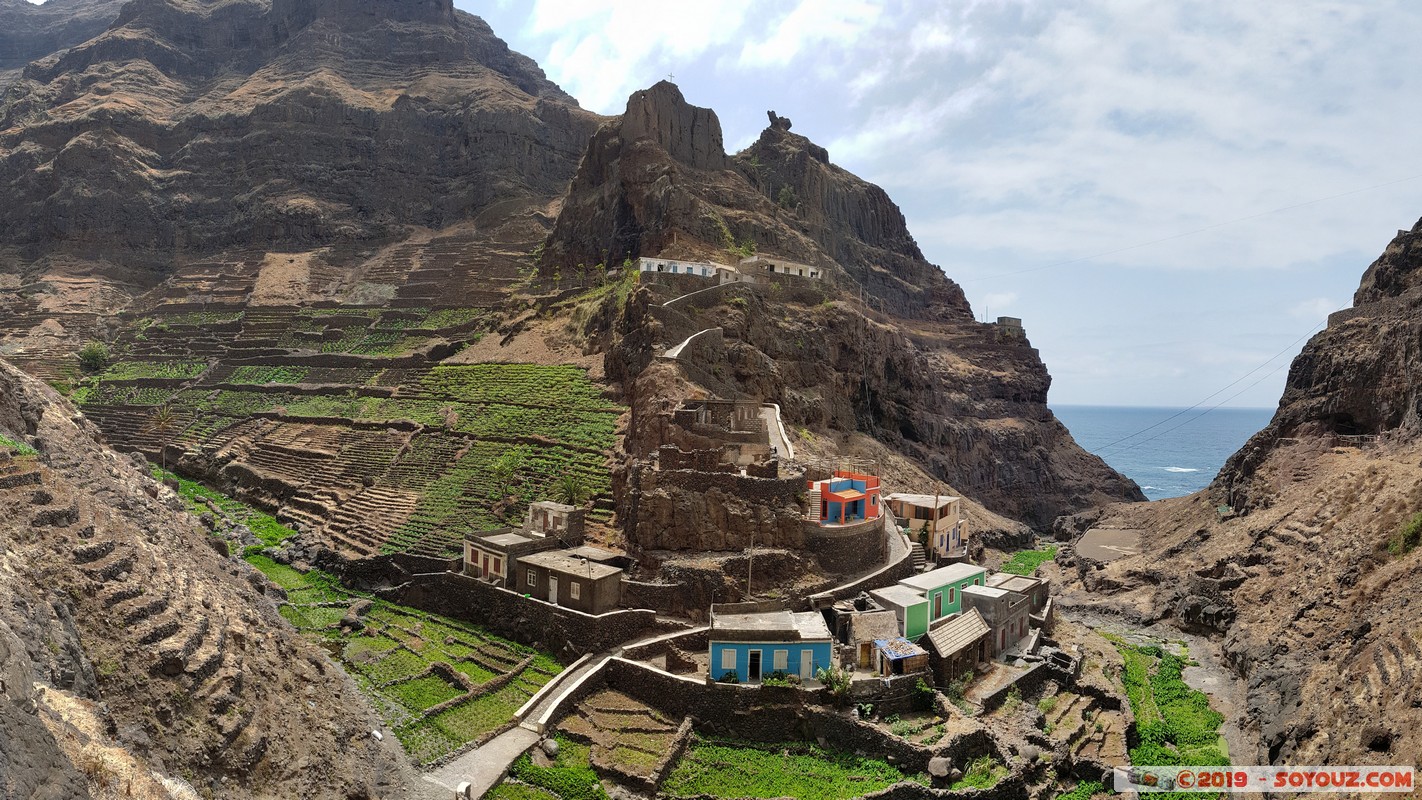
29 31
963 399
191 125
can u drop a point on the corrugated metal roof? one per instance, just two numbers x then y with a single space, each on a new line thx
957 633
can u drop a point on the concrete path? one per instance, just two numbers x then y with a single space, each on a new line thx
676 351
485 765
770 412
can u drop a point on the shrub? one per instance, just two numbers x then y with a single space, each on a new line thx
1046 704
94 356
922 695
838 683
729 676
1407 537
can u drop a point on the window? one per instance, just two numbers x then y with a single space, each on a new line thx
532 578
575 590
781 660
728 658
950 595
498 566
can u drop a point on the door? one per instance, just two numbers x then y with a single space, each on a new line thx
754 670
807 664
553 589
938 605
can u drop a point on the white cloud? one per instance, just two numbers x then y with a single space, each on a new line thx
1315 309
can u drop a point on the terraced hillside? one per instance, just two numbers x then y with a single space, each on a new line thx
339 417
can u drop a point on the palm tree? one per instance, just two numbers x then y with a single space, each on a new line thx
573 489
162 422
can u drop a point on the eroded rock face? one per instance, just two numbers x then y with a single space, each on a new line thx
962 399
29 31
192 125
117 603
1357 377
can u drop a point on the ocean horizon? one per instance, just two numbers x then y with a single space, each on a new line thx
1168 452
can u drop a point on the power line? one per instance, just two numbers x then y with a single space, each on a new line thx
1206 399
1206 411
1174 237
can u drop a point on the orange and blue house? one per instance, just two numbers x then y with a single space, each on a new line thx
844 498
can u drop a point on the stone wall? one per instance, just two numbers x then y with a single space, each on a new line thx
847 549
1028 683
697 510
562 631
889 575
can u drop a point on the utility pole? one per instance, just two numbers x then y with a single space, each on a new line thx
750 560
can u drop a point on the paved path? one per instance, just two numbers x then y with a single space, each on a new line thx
486 765
771 414
676 351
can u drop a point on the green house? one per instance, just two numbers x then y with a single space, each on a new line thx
909 605
943 588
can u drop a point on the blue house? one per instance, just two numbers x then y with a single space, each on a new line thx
755 644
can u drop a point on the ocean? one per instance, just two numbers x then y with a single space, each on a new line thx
1170 459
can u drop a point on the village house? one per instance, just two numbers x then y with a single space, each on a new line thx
753 645
941 516
957 644
846 498
1036 590
943 587
910 608
488 555
566 580
672 266
775 265
1005 612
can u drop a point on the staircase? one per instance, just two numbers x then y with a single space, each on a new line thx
917 556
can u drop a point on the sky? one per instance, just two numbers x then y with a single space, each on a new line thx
1172 197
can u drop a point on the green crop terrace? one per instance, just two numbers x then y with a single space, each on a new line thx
429 676
553 417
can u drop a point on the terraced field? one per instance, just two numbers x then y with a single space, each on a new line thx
337 420
441 684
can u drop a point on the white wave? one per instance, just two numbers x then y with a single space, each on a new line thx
1151 489
1180 469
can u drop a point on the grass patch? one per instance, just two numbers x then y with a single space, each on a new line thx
1175 723
982 773
1083 791
570 777
1025 562
741 769
15 447
262 525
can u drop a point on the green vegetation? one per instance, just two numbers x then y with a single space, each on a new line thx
391 658
982 773
787 199
266 375
93 356
134 370
1025 562
793 769
1175 723
262 525
570 777
1083 791
18 448
1407 537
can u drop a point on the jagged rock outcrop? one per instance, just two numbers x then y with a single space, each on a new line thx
193 125
964 399
1358 376
119 612
1306 576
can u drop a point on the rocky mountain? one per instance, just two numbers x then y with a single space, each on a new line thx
1302 558
193 125
29 31
138 659
886 344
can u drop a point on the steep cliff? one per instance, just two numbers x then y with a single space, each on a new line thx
1302 558
193 125
885 344
29 31
135 651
